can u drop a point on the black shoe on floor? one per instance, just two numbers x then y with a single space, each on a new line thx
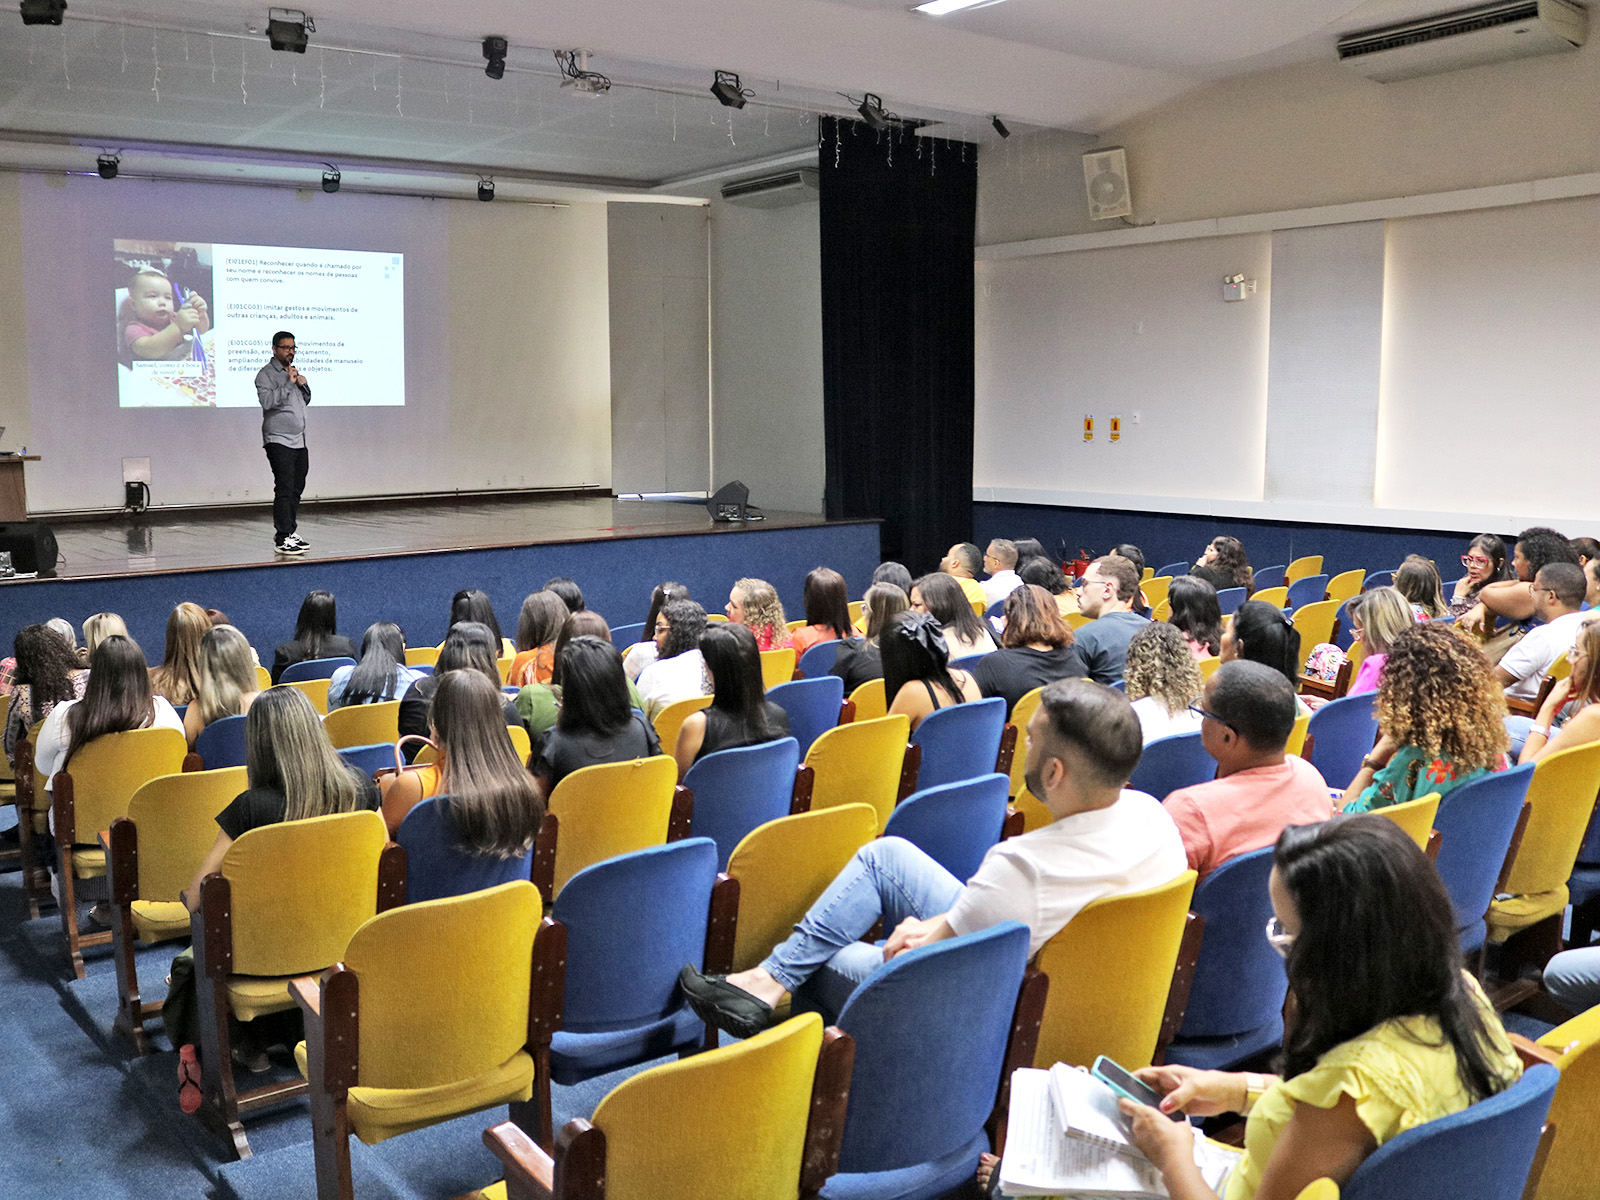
720 1004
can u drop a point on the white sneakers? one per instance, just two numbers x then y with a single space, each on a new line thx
293 544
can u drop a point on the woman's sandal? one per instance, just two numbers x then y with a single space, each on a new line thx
188 1079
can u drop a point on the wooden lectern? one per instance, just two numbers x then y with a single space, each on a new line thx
13 492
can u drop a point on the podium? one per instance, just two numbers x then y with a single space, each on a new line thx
13 491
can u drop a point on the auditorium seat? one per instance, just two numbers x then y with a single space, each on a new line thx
599 812
860 763
813 704
1021 713
1311 564
313 668
1414 816
738 789
669 721
954 824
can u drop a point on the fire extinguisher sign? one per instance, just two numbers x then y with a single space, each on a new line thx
1088 428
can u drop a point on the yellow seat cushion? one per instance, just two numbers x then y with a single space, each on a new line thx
379 1113
87 863
495 1191
1518 912
252 996
160 920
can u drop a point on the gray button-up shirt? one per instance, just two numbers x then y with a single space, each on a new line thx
283 406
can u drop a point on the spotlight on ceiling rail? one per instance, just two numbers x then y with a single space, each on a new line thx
289 29
107 165
728 91
494 50
43 12
485 190
872 113
1000 127
330 179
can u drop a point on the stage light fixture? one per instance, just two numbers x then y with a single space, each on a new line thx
1000 127
287 29
728 91
575 73
494 49
872 113
330 179
43 12
107 165
486 189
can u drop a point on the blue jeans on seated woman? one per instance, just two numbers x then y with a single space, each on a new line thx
823 961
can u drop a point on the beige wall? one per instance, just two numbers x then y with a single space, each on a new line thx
14 413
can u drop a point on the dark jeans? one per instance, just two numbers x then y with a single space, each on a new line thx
288 481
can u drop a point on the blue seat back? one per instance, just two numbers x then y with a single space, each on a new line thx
1475 822
632 923
1377 579
1269 577
421 668
812 705
1229 599
367 759
1307 591
1344 730
1170 763
623 636
1174 569
736 790
960 742
1239 982
967 661
1483 1152
930 1030
221 744
953 823
1344 629
997 609
314 668
820 658
436 867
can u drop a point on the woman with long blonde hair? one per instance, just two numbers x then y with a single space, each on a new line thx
1379 615
178 676
228 683
97 629
754 602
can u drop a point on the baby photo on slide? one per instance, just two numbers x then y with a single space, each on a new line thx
164 327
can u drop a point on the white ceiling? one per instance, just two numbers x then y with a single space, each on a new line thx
401 81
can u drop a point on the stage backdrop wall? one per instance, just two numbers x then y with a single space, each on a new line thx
507 375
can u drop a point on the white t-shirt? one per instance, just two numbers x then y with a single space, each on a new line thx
1000 585
1530 660
51 751
1157 722
669 679
639 656
1046 877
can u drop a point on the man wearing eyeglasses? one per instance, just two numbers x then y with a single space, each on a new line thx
1107 595
1247 713
1558 590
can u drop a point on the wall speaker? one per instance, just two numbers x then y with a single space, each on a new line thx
31 544
1105 180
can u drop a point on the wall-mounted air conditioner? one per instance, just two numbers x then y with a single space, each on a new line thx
773 191
1468 37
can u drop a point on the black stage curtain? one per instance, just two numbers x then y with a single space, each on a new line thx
898 222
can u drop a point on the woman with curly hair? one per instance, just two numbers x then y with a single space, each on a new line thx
1225 556
1569 716
1163 680
1441 720
754 602
47 674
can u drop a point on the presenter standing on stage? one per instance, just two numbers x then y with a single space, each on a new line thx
284 394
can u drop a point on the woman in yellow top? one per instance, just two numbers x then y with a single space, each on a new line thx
1384 1030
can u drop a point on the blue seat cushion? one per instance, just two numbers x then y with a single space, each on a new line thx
575 1057
1224 1052
925 1180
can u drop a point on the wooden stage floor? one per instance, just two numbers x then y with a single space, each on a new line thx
158 543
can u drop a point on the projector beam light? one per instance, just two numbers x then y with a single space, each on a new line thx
940 8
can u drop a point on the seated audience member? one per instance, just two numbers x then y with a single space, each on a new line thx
1247 711
228 684
1225 556
740 713
596 725
492 798
1135 555
1573 979
754 602
469 646
1264 633
895 573
1378 616
963 564
1105 841
1441 721
1418 581
1196 614
1000 562
381 672
1558 590
1586 548
965 632
47 674
641 654
571 594
1485 561
470 604
860 660
538 625
540 703
1045 573
1569 716
1591 580
1512 599
1163 681
179 673
679 671
827 602
917 677
1381 1033
64 630
1106 596
217 617
1029 548
1035 649
315 635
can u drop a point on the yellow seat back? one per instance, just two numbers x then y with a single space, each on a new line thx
301 889
1275 596
1297 734
860 763
1021 713
1155 589
1560 669
856 608
1149 573
176 816
1569 1172
1314 622
1414 816
363 724
1357 652
263 678
669 721
1209 665
314 690
777 666
784 865
611 809
1158 613
731 1122
870 701
1319 1189
1341 587
1300 568
444 986
1110 971
111 768
521 744
503 665
793 625
1562 795
1034 814
1077 620
421 656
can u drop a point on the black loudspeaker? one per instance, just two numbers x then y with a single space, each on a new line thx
31 544
730 502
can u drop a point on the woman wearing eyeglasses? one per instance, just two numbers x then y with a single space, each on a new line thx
1485 561
1381 1034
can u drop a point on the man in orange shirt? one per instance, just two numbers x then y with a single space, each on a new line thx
963 564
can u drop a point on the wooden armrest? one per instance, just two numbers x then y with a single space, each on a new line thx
307 993
722 925
529 1170
105 840
543 873
1531 1053
681 819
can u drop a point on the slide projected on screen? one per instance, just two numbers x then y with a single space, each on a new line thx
194 323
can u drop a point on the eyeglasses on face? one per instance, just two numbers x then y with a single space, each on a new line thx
1199 711
1475 560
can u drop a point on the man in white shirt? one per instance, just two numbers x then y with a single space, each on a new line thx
1083 743
1557 591
1000 561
